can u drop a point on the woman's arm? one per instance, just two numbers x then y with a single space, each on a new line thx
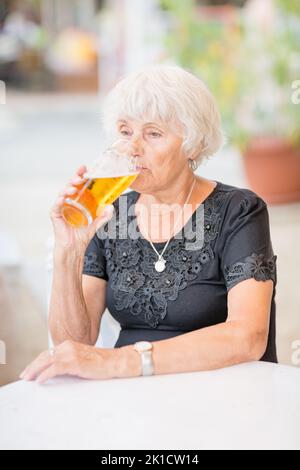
77 302
242 338
70 318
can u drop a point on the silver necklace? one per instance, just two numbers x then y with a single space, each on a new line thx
160 264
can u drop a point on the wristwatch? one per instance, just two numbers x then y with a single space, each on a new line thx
144 348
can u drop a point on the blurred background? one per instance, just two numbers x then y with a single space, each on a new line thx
57 61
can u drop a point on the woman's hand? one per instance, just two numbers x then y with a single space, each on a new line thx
67 236
71 358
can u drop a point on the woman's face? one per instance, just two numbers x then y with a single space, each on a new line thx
158 151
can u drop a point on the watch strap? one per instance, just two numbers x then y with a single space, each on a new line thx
147 363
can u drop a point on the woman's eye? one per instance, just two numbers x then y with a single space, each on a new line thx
124 132
155 134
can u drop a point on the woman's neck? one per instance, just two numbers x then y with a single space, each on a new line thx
159 220
176 193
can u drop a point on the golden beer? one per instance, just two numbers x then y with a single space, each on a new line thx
83 207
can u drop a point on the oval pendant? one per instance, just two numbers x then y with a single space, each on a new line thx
160 265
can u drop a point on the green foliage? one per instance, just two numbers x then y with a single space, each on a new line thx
289 6
225 56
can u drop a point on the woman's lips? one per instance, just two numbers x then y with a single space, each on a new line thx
142 168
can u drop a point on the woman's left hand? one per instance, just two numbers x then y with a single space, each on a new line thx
72 358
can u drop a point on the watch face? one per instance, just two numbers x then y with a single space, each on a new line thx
142 346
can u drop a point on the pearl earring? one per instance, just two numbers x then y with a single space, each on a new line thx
193 164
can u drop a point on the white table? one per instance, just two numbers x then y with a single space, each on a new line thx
249 406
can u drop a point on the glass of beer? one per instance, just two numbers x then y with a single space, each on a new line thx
107 178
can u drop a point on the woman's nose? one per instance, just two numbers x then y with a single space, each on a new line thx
136 146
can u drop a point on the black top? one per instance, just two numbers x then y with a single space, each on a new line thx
191 293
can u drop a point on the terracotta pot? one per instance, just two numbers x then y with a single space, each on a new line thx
272 168
223 13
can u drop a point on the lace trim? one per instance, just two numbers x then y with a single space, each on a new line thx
135 283
92 266
256 266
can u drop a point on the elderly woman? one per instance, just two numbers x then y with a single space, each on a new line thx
182 306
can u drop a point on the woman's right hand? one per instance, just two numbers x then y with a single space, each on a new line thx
66 236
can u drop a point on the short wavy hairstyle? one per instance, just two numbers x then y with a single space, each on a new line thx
173 96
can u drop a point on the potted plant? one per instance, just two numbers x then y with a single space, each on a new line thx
250 60
269 117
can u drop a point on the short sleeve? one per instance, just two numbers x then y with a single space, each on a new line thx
94 263
246 248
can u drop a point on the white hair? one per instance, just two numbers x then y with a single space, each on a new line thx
171 95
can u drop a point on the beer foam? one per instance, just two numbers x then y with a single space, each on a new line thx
96 175
111 165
